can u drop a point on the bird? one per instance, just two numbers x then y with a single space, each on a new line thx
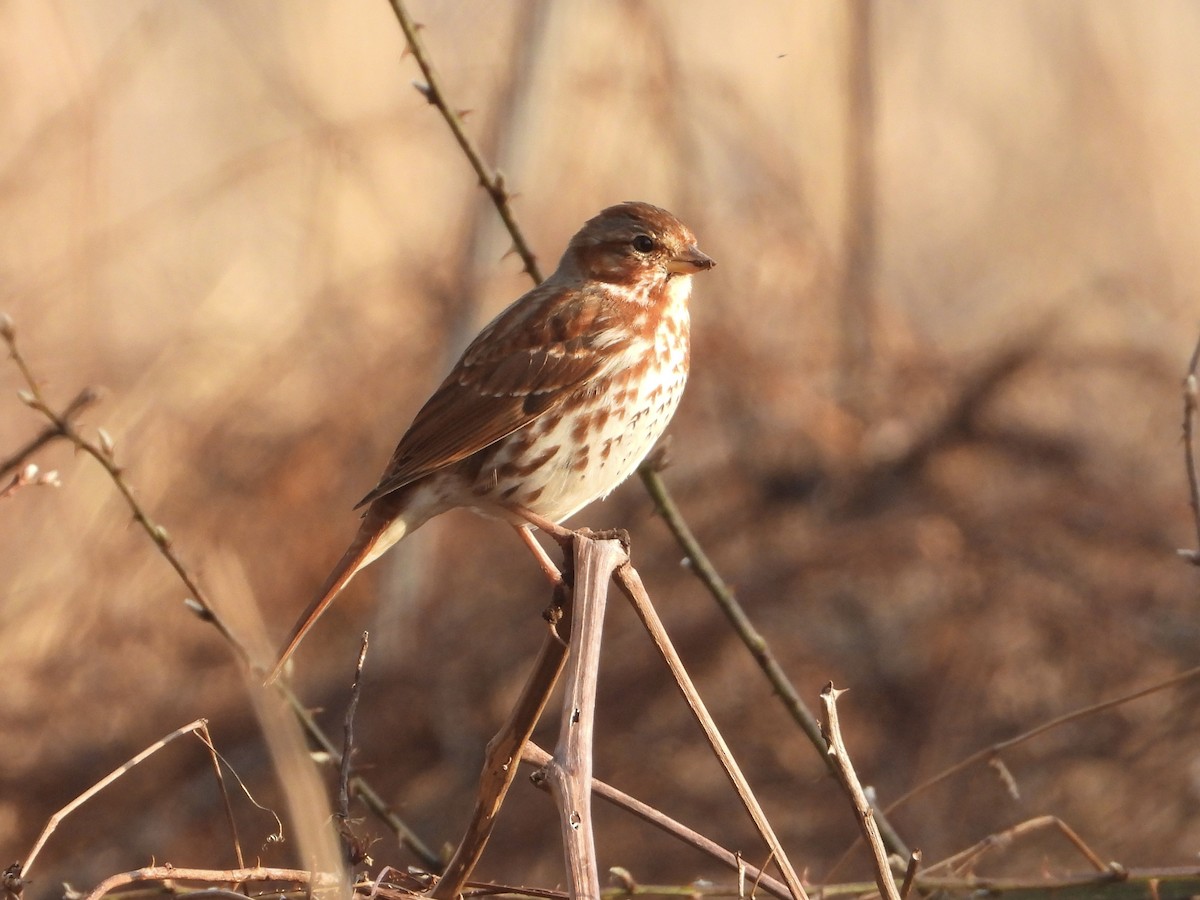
556 401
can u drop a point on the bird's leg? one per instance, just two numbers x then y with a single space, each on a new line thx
562 536
545 563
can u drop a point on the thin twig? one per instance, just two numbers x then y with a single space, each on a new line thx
353 843
631 585
500 762
964 860
198 602
34 399
85 398
536 756
29 474
884 879
989 752
910 874
1190 390
359 786
490 181
313 880
754 640
100 785
203 733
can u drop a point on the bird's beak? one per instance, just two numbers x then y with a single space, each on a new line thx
689 262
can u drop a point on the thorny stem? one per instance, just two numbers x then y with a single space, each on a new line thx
62 425
1190 390
491 181
999 747
755 642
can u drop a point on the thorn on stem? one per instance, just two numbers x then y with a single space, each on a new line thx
202 612
1192 556
106 442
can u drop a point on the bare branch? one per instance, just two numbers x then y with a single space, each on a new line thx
988 753
490 181
1190 390
100 785
631 585
197 602
569 772
535 755
500 763
85 398
858 800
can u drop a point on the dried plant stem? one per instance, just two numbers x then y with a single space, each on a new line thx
1190 391
313 880
862 809
215 758
359 786
569 772
500 765
988 753
536 756
967 858
52 824
631 585
344 769
63 426
910 874
754 640
489 180
52 432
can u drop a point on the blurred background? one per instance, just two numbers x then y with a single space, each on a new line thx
931 435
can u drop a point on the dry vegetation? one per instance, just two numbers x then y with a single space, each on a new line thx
962 501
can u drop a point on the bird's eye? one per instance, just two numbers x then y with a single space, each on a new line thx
643 243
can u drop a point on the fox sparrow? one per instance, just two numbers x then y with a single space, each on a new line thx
555 403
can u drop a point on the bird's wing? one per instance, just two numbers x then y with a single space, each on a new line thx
543 348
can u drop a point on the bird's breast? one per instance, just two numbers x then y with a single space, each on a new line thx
597 436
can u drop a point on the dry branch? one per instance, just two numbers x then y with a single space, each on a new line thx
963 861
500 764
862 809
631 585
85 398
313 881
994 750
490 181
103 452
536 756
569 772
754 640
1190 391
356 851
199 726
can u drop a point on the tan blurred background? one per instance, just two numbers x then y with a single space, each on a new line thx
932 432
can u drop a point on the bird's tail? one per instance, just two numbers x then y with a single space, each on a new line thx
382 526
